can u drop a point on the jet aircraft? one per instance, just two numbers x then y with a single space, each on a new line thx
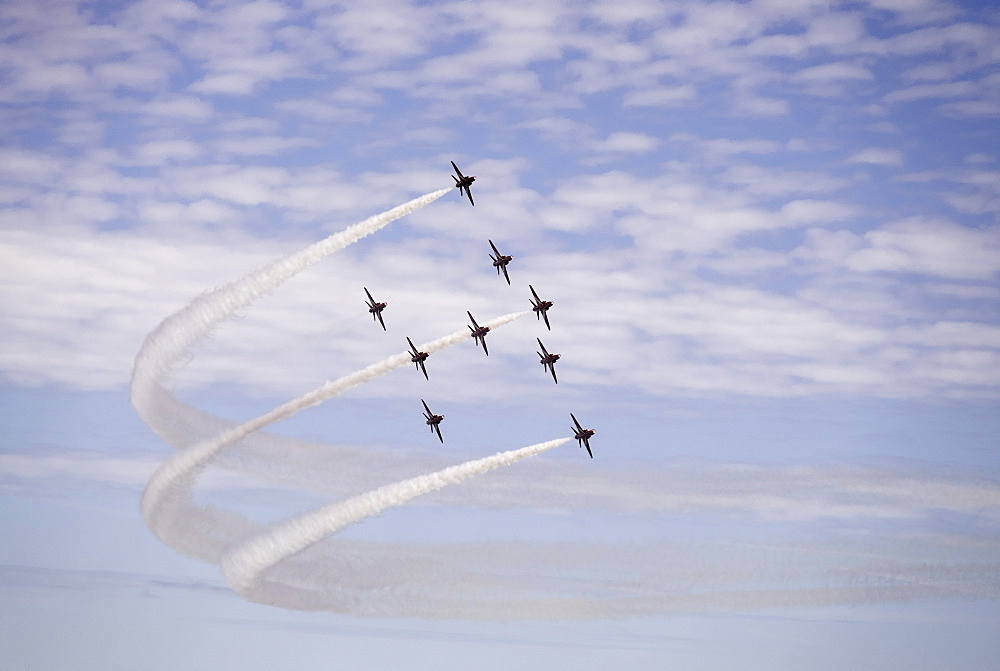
418 358
433 421
582 435
462 183
548 361
375 308
500 261
479 332
540 307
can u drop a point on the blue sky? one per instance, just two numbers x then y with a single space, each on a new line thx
770 232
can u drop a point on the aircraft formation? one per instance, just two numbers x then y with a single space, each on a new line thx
478 333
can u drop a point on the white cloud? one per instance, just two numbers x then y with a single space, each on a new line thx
377 33
760 181
835 29
72 470
48 78
884 127
921 245
184 216
146 72
975 40
241 75
931 72
681 211
833 72
735 322
268 145
917 11
242 186
625 13
183 108
19 165
761 106
231 83
77 466
697 337
877 156
980 158
822 246
965 367
728 147
971 109
635 143
952 334
377 89
817 211
959 89
669 96
159 152
78 305
329 112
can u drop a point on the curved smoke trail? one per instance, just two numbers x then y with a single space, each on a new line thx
168 344
285 564
244 565
174 478
167 499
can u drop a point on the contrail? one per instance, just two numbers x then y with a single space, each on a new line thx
166 502
176 475
287 564
167 345
244 564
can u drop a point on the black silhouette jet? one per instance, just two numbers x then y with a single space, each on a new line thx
418 358
433 421
375 308
540 307
462 183
582 435
500 261
479 332
548 361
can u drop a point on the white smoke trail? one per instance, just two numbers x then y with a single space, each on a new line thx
167 505
176 475
286 565
244 564
167 345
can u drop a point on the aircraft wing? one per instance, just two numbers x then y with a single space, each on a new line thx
578 427
457 170
503 267
379 315
468 192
